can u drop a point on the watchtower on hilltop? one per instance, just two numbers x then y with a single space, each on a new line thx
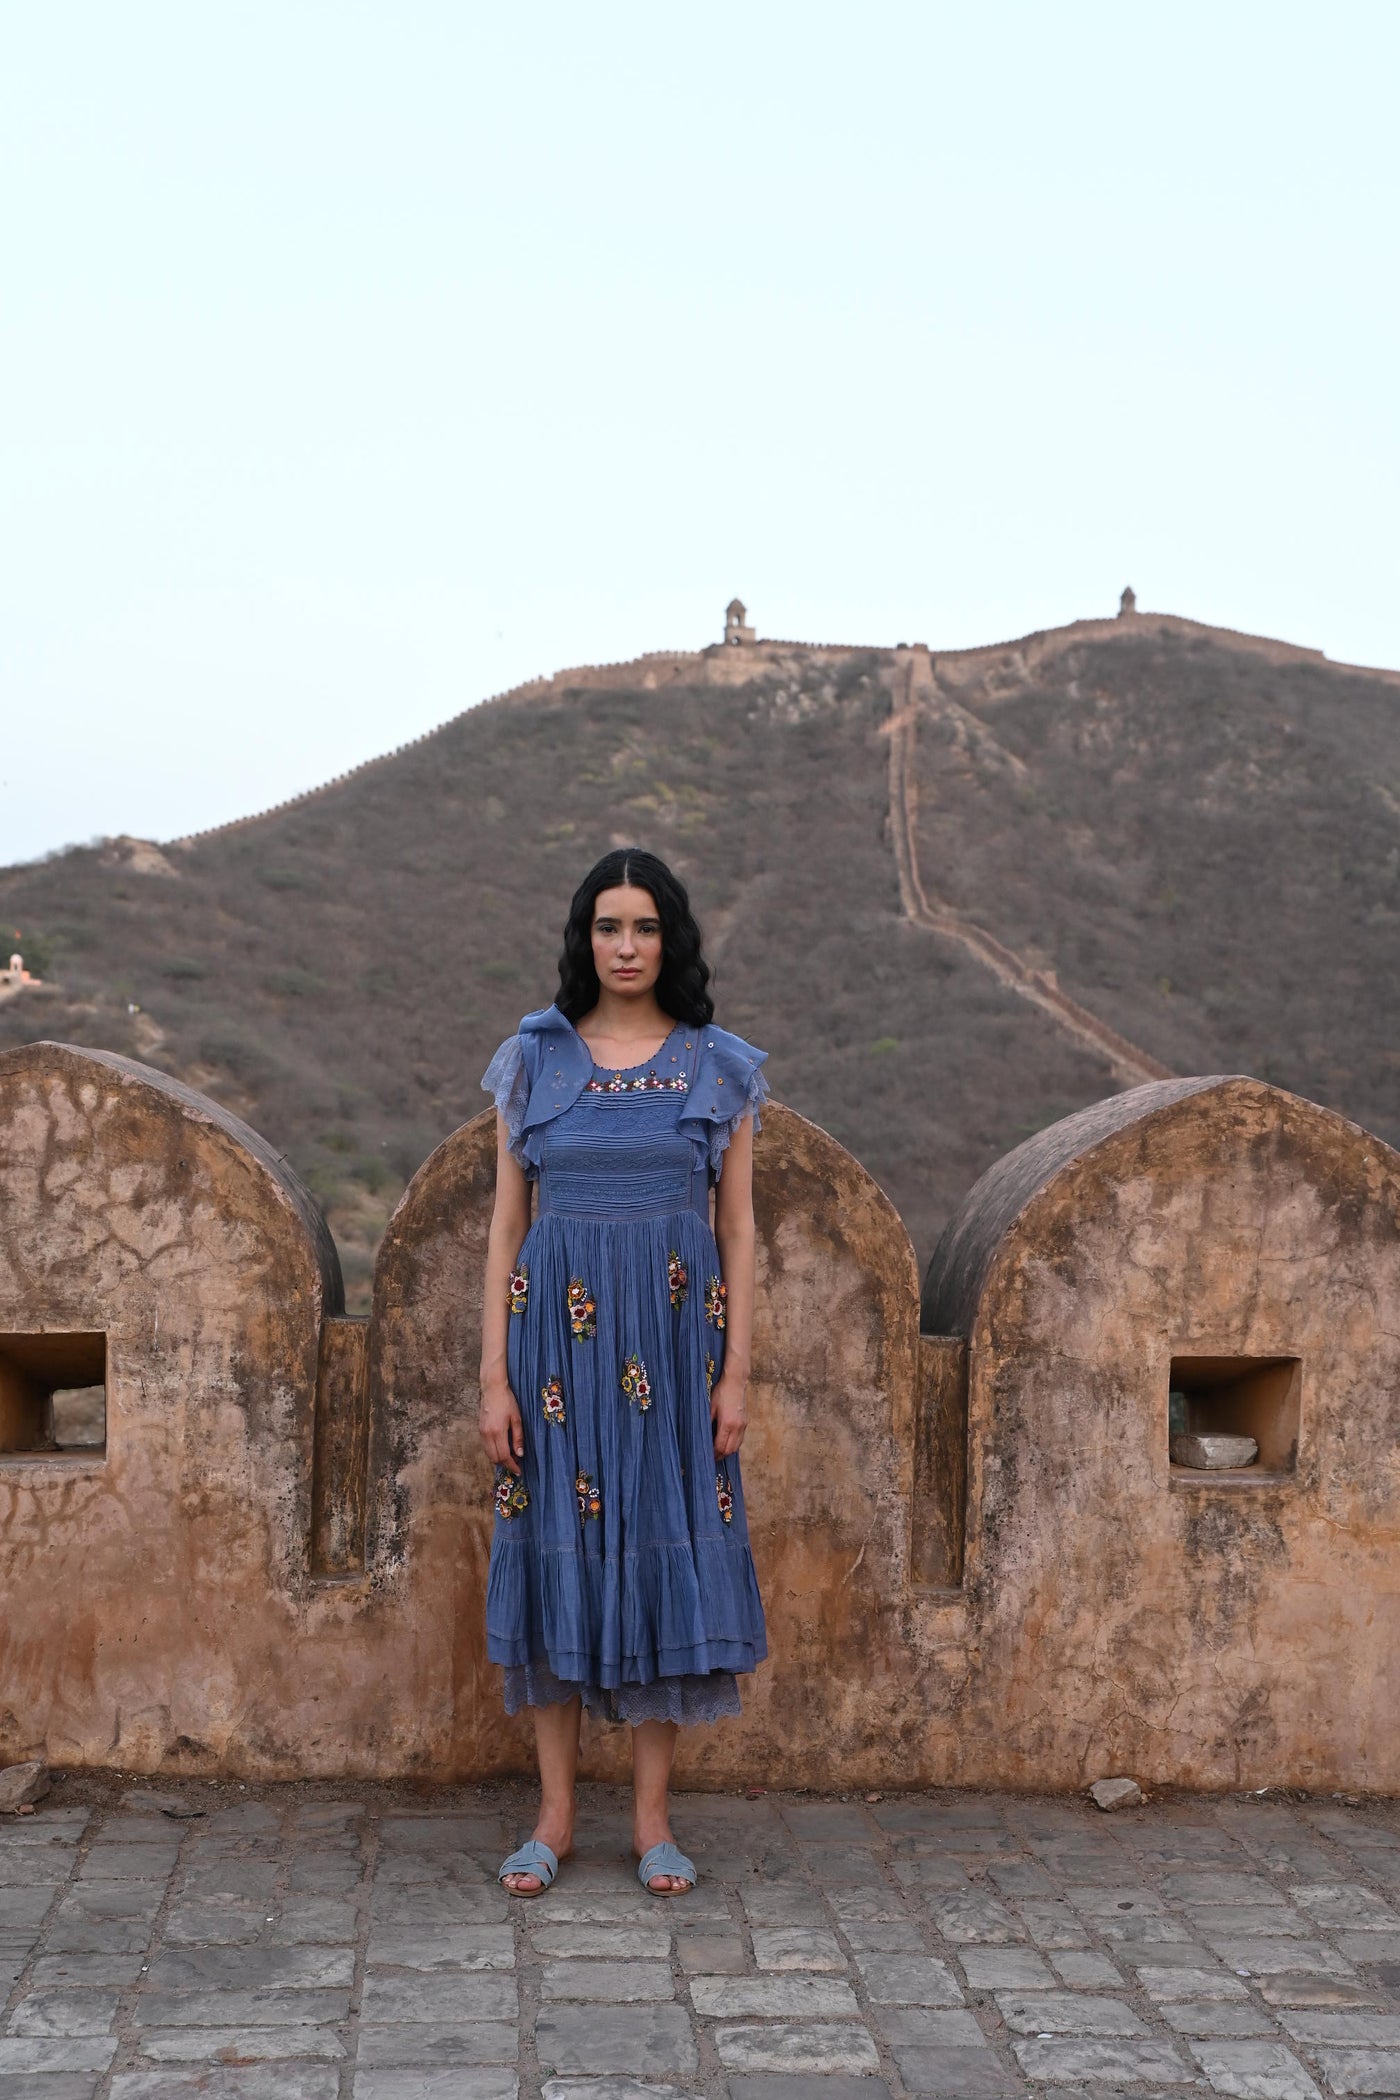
735 616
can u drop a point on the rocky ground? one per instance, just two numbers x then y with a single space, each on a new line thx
313 1944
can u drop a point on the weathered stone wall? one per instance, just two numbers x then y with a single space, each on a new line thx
977 1563
1234 1631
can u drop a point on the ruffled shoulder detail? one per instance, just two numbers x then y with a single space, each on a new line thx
507 1081
544 1020
534 1076
728 1085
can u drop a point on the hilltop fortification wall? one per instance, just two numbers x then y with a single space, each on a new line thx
980 1562
725 664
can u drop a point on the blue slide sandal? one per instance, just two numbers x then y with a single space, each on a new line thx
667 1859
534 1857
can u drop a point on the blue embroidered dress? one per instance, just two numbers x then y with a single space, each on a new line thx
620 1565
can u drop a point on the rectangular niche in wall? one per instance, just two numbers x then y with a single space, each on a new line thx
1258 1396
53 1395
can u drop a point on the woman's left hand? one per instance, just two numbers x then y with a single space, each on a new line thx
729 1415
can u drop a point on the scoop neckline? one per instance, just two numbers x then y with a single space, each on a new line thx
625 1071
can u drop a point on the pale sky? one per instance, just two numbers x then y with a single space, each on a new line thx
360 361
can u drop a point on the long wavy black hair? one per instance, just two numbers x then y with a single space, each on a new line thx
681 989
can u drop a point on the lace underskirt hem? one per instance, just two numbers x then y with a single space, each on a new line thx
690 1701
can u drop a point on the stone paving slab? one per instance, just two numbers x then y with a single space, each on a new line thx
436 2085
64 2011
797 1947
813 2048
239 2045
245 2082
974 2074
1314 1990
1254 2070
608 1982
615 2088
1167 1986
421 2045
711 1954
779 2085
774 1997
1086 1971
1210 2019
446 1947
1360 2070
615 2038
1370 1946
407 1995
1376 2030
237 2008
916 2027
30 2053
1102 2061
290 1945
49 2085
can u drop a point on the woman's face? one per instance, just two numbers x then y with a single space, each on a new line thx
626 941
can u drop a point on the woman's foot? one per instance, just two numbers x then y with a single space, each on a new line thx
556 1746
556 1831
651 1832
653 1748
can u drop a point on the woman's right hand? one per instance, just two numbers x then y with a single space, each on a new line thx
502 1430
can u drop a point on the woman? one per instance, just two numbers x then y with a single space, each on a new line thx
615 1357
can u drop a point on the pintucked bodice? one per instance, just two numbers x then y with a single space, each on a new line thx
619 1152
621 1155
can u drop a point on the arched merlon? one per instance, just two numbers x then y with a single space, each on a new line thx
973 1235
150 1586
1237 1245
72 1065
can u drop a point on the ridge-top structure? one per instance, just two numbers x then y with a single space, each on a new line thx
736 628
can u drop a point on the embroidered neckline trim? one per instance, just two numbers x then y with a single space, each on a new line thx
644 1083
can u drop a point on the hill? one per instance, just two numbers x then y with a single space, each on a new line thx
956 894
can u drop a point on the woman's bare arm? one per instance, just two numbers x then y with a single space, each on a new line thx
734 1234
502 1431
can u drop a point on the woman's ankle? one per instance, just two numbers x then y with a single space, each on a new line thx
555 1819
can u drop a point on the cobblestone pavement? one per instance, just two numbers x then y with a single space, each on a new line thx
287 1943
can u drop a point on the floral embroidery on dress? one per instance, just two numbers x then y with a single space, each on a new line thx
709 1374
724 1495
511 1493
644 1083
582 1311
636 1384
590 1502
678 1279
519 1288
715 1294
552 1394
